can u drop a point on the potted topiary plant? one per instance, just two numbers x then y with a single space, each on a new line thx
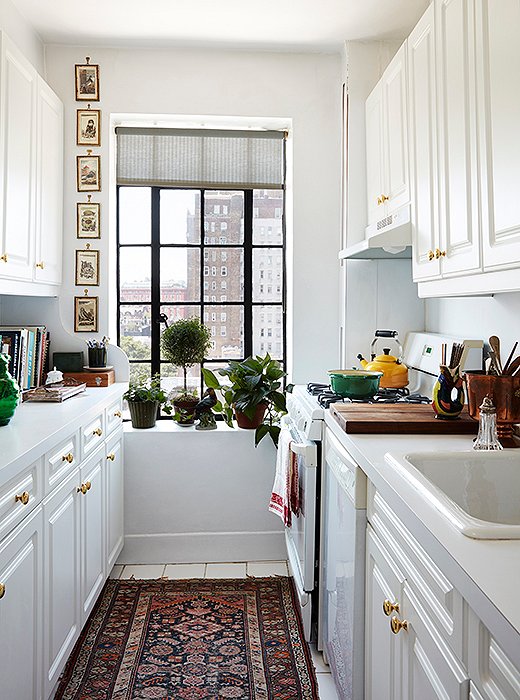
185 343
253 394
144 396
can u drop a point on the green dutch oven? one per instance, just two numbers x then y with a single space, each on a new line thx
355 383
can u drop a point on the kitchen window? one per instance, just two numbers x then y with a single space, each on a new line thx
165 242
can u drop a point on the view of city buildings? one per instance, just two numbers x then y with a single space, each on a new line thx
218 279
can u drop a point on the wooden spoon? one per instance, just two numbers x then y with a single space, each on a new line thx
494 342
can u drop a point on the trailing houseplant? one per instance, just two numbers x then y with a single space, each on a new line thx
185 343
253 394
144 397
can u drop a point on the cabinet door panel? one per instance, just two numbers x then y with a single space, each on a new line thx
395 131
374 148
20 611
17 143
61 575
114 504
92 532
423 147
383 649
498 58
458 182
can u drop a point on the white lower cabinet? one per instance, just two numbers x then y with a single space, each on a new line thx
21 605
114 500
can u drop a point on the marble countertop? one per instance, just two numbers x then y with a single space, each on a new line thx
486 572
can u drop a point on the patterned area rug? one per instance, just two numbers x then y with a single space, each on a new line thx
192 640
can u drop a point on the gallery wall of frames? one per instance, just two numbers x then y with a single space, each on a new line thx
88 182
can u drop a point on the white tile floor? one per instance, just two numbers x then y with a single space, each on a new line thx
228 570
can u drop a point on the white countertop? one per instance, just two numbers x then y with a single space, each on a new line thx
36 427
487 572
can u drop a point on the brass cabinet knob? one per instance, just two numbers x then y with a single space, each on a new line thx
40 265
439 253
396 625
22 497
384 198
379 201
97 432
84 487
2 590
389 607
68 458
3 257
111 456
88 485
117 414
431 255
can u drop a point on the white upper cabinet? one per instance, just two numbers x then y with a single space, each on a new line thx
498 65
17 158
387 142
31 177
422 94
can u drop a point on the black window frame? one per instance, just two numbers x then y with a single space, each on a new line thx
248 247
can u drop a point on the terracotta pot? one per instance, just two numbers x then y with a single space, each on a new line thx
186 407
244 422
143 413
504 391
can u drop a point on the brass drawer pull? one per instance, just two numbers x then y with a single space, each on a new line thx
431 255
389 607
84 487
3 257
97 432
396 625
2 590
440 253
111 456
22 497
68 458
40 265
117 414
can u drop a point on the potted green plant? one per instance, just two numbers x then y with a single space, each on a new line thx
185 343
144 397
252 393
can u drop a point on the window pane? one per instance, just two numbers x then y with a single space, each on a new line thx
180 216
180 274
173 378
223 217
134 274
174 313
134 331
267 217
267 331
135 214
267 274
223 271
140 370
226 325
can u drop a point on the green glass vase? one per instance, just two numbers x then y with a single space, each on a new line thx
9 392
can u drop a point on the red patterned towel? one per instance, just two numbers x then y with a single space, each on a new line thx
285 498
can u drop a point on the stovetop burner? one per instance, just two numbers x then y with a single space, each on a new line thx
326 396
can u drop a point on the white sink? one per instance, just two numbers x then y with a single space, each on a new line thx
479 492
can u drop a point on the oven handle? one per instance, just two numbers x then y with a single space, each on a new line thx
307 449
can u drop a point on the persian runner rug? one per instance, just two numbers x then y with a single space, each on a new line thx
193 639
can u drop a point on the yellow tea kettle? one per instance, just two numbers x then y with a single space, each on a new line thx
395 373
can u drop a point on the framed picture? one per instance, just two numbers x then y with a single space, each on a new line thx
85 314
88 124
87 82
88 220
88 173
87 268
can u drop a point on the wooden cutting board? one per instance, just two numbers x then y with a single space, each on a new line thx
413 419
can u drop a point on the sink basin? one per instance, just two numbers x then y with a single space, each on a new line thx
479 492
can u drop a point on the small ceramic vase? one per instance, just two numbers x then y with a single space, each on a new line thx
9 392
448 394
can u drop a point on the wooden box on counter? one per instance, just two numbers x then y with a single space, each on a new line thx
101 378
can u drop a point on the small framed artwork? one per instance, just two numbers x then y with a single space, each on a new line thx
88 222
88 173
85 314
88 124
87 267
87 82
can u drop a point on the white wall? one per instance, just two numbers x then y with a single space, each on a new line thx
23 35
301 88
477 317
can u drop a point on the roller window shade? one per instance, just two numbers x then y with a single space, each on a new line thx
200 158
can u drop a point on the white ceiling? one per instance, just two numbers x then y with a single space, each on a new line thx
287 25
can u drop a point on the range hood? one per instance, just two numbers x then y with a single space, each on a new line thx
390 237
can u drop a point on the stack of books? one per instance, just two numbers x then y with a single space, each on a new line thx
27 349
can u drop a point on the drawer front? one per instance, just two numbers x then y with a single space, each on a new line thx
441 600
61 461
19 496
114 416
92 435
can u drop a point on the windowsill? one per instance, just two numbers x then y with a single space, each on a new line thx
170 426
